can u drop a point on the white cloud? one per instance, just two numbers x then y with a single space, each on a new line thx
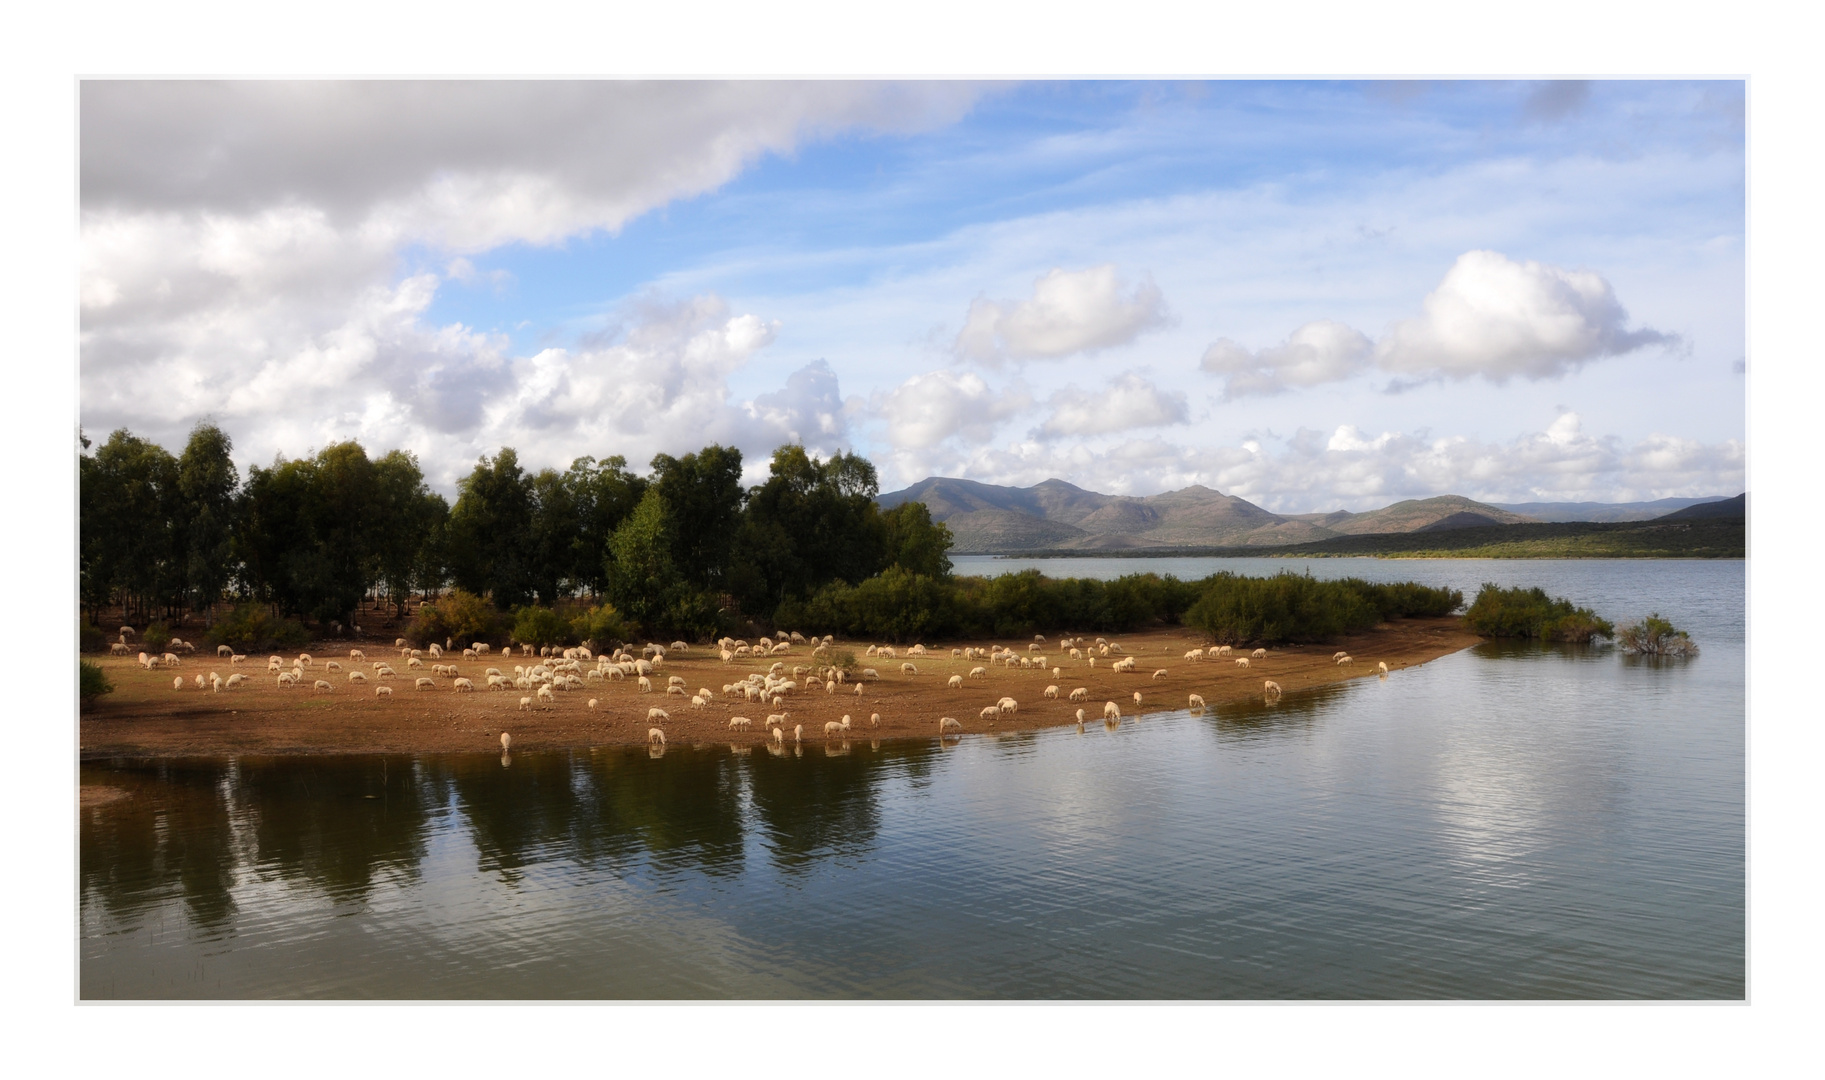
1316 353
928 409
1070 312
1497 318
1130 401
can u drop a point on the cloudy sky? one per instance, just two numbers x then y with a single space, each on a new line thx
1310 295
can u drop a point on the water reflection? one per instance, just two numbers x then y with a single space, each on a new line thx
169 833
1279 715
336 823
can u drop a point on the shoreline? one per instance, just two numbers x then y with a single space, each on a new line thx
146 719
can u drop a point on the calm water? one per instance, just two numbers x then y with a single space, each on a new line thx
1506 822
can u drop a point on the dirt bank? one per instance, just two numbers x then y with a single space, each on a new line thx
145 717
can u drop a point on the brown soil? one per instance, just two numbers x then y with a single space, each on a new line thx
145 717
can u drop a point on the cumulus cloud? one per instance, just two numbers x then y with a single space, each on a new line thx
928 409
1490 317
1070 312
1316 353
1350 469
1129 401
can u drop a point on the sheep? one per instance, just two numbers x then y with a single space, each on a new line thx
874 719
414 662
171 660
1051 693
956 682
654 735
425 684
779 736
1008 706
1339 654
332 666
463 686
177 683
679 690
1271 688
545 696
1137 699
1194 655
1082 693
220 650
357 654
1223 650
1241 661
1382 665
887 651
946 723
908 669
323 685
798 733
831 727
436 650
1080 718
383 691
1111 711
979 673
1346 660
285 680
657 714
646 685
506 742
858 689
1197 702
870 673
739 723
1077 654
119 648
991 712
215 682
399 643
304 658
1259 654
1160 674
525 703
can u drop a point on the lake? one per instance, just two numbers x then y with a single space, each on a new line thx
1512 821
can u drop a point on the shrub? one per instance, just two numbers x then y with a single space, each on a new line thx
89 638
540 626
455 616
156 637
1655 636
1530 613
253 628
602 625
91 681
844 659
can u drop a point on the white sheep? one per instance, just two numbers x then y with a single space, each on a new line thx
832 728
1271 688
1382 665
956 682
506 742
679 690
646 685
739 723
1223 650
779 736
908 669
177 683
1082 693
525 703
1160 674
413 661
869 673
658 714
383 691
545 696
1241 661
1111 711
1259 654
304 658
874 719
1197 702
332 666
1008 706
425 684
1137 699
119 648
323 685
946 723
1346 660
463 686
357 654
220 650
798 733
1339 654
979 673
1080 718
1194 655
990 712
1052 693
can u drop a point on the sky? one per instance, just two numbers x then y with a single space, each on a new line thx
1313 296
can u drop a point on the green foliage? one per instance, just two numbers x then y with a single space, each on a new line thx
1297 607
253 628
91 681
601 624
915 542
156 637
811 523
208 488
491 544
89 638
1530 613
642 579
702 496
540 626
459 615
1655 636
844 659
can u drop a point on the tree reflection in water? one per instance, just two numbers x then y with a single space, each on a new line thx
171 833
337 822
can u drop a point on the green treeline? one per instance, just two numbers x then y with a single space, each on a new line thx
1529 613
685 550
599 552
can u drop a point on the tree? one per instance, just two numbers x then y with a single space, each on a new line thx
130 528
813 522
642 579
409 520
915 542
209 486
703 503
490 541
604 495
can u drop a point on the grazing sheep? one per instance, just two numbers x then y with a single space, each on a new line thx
945 723
525 703
119 648
869 673
328 666
679 690
399 642
646 685
1197 702
776 719
545 696
991 712
874 719
357 654
1241 661
1339 655
858 689
779 736
304 658
1052 693
956 682
413 661
798 733
1080 718
1346 660
506 742
908 669
654 735
1195 655
177 683
1008 706
1137 699
323 685
1111 711
832 728
1259 654
1082 693
1160 674
461 686
1382 665
1271 688
383 691
425 684
286 681
658 714
1223 650
739 723
979 673
220 650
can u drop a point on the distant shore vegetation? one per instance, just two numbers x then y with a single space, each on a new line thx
1655 636
1530 613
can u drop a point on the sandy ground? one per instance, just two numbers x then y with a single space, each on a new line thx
146 717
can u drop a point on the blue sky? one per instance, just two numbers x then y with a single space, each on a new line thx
1311 295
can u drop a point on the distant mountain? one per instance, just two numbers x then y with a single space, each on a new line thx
1056 516
1600 511
1727 508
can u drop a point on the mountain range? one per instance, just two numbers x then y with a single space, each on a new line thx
1057 516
